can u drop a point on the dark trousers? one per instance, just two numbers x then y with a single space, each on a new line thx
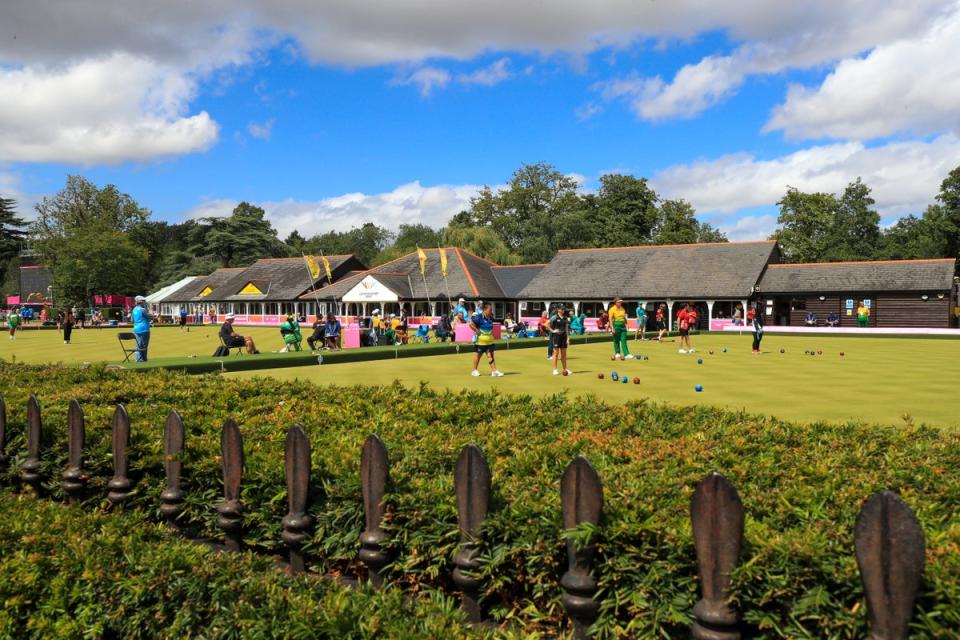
315 338
67 331
757 337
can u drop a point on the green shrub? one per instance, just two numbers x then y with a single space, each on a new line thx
801 485
69 574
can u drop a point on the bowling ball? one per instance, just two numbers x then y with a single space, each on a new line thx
600 376
625 380
613 376
613 357
565 372
819 352
724 349
841 353
698 388
699 360
636 381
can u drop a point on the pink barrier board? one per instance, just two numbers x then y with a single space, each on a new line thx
351 337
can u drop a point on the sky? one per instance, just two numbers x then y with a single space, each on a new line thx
332 113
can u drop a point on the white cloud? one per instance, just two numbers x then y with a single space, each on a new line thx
904 176
106 110
261 130
587 111
911 85
825 32
426 79
410 203
496 73
749 227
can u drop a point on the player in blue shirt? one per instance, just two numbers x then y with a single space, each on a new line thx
482 326
141 328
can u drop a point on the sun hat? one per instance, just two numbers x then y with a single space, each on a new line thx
230 316
139 299
376 312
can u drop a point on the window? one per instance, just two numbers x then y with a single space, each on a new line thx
533 309
498 310
798 304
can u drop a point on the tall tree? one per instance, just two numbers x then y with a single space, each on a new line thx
243 237
295 241
83 235
481 241
805 224
364 242
677 224
626 211
855 230
949 199
12 234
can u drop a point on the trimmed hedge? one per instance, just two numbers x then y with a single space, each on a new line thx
69 574
801 485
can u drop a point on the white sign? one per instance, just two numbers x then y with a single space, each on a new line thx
370 290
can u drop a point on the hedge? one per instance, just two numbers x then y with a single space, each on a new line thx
69 574
801 485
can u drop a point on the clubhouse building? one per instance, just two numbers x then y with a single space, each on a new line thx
716 277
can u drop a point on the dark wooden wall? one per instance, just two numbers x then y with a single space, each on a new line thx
888 310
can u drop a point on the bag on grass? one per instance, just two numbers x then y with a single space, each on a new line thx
221 352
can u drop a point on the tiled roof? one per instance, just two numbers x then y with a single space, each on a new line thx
513 278
699 271
893 275
279 278
468 276
191 291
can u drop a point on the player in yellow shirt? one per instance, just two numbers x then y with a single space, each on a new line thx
863 315
618 327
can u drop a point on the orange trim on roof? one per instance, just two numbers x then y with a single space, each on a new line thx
671 246
470 253
337 255
466 271
518 266
836 264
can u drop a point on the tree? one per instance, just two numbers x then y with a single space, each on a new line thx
805 224
242 238
83 234
912 238
677 224
364 242
855 230
295 241
12 234
481 241
626 211
949 222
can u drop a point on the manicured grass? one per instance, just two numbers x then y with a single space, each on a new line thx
881 380
101 345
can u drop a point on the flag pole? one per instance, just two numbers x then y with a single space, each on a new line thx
446 284
423 274
316 297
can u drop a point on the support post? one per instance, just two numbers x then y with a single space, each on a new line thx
374 474
30 470
472 486
891 550
297 522
231 509
717 517
670 315
581 497
120 484
4 459
172 497
74 480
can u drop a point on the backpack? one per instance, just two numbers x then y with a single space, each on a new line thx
221 352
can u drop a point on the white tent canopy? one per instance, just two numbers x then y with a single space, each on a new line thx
157 296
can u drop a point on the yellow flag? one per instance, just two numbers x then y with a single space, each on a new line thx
313 267
326 267
443 261
423 261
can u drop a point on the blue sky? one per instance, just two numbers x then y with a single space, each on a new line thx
332 115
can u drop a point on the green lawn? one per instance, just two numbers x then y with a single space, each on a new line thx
99 345
882 380
878 380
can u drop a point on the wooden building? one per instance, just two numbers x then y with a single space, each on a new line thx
899 293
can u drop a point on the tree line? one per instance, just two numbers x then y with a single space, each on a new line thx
99 240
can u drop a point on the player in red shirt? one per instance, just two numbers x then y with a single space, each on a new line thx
683 322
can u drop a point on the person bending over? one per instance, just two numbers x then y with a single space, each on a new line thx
233 339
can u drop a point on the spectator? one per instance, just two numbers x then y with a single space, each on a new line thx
68 321
444 330
319 331
641 333
423 333
389 335
576 324
833 319
98 319
510 324
331 333
810 320
290 331
738 316
751 314
460 314
603 322
141 328
183 318
400 327
81 317
232 339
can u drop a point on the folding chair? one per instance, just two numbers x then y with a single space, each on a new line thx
230 348
124 338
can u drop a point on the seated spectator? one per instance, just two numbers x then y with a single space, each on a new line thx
231 338
522 330
444 330
332 331
317 335
423 332
510 324
738 316
290 331
400 327
389 335
603 321
833 319
543 325
576 324
810 320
